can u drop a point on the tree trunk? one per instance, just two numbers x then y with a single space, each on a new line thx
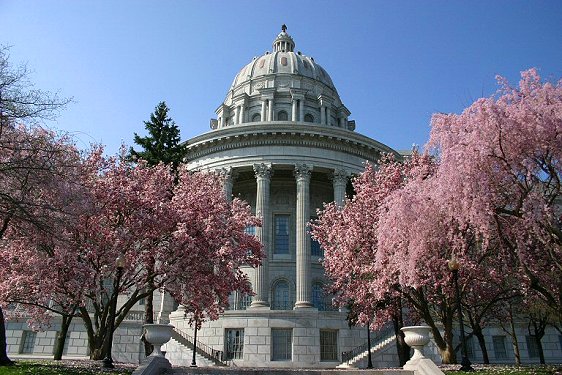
4 360
514 341
61 337
148 319
482 343
402 348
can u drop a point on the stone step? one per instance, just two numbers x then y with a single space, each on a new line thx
180 355
277 371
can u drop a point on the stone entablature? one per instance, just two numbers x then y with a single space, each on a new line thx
300 135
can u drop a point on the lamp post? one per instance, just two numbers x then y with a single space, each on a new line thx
369 358
454 266
119 264
193 363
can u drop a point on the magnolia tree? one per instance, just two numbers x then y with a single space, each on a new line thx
186 238
500 172
348 236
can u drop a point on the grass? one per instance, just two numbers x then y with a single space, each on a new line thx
510 370
64 367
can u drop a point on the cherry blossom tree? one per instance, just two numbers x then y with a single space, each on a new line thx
349 239
500 172
185 237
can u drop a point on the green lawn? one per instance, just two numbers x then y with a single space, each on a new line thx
62 368
512 370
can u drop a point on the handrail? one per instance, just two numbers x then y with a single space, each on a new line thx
206 351
378 337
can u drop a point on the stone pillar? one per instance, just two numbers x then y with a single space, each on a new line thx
304 293
294 111
270 110
263 109
301 110
242 113
328 115
228 174
339 181
322 115
261 280
236 113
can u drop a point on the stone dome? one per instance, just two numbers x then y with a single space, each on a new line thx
283 62
282 85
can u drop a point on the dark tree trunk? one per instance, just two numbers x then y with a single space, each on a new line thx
61 337
4 360
482 343
514 341
401 346
148 319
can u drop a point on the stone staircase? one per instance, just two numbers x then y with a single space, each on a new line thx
380 343
179 351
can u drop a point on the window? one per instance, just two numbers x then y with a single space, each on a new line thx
499 347
256 117
234 343
318 296
281 296
282 116
328 345
315 249
251 230
282 341
27 342
532 346
244 301
308 118
281 234
142 301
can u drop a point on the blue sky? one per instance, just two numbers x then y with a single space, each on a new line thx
394 63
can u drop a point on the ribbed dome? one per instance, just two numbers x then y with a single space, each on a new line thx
283 60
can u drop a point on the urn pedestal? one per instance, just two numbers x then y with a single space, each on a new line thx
417 337
158 335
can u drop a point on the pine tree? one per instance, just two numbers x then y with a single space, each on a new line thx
162 144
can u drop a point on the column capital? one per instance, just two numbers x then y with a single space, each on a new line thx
263 170
303 172
228 173
339 176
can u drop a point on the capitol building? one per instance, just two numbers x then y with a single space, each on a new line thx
284 142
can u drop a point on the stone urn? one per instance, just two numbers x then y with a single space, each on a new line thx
157 335
416 337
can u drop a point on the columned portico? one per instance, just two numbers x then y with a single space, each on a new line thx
303 173
263 174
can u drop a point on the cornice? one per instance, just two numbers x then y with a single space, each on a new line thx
286 134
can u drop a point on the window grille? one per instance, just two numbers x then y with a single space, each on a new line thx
281 234
28 342
328 345
282 116
234 343
256 117
282 341
281 296
499 347
244 301
308 118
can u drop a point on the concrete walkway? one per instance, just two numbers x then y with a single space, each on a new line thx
266 371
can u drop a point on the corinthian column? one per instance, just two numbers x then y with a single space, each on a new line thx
339 181
261 278
302 174
228 176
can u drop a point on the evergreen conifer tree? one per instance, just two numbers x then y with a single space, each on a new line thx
162 144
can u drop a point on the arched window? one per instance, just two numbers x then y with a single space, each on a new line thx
281 296
256 117
308 118
318 298
282 116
